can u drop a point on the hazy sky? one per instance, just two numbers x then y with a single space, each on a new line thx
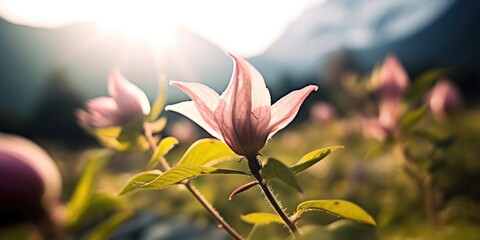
244 27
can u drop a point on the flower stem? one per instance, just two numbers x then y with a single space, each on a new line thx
429 202
193 190
212 211
147 131
255 166
424 183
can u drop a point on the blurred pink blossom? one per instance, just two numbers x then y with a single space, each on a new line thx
392 82
30 182
322 112
393 79
126 103
291 140
444 98
184 131
242 116
373 129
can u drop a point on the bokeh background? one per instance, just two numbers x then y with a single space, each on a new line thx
55 55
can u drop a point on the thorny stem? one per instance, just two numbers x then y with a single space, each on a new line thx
255 166
193 190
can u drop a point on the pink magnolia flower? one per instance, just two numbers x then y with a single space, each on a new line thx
391 83
242 116
126 103
444 98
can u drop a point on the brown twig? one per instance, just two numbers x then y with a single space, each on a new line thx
193 190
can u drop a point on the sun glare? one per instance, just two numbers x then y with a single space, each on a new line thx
153 24
246 27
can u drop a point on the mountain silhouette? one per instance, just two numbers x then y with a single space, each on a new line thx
424 34
85 53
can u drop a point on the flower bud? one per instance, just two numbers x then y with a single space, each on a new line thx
125 104
393 79
444 98
30 183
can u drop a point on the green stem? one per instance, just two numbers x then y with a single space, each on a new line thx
205 203
424 183
255 166
429 201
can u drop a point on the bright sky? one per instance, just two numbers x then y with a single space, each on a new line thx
245 27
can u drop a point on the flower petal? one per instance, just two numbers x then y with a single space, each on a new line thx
100 113
373 129
189 110
131 100
246 77
205 99
243 112
223 118
285 109
389 113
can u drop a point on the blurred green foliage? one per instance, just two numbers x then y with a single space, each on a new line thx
381 177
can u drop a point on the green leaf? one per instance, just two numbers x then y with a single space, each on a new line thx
104 230
98 205
340 208
446 142
123 139
155 179
311 158
130 139
143 178
207 152
412 117
158 125
376 150
261 218
107 132
439 138
159 103
163 148
423 83
95 161
276 169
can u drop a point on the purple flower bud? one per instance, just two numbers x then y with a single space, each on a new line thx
125 104
444 98
30 182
